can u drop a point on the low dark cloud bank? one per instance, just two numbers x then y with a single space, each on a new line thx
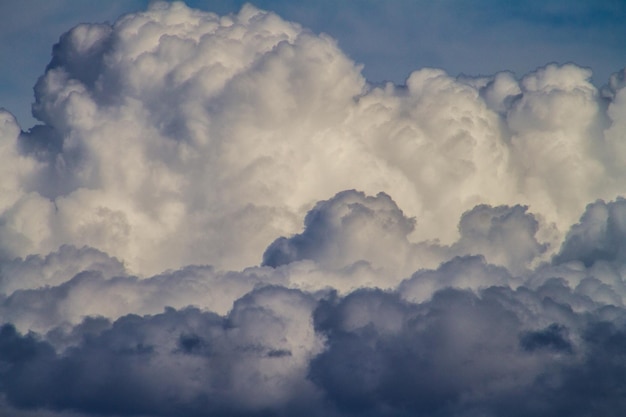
219 216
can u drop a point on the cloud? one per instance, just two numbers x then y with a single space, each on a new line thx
469 354
219 215
599 235
466 337
163 144
278 350
185 361
349 228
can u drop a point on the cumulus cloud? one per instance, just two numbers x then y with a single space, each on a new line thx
184 361
171 134
218 215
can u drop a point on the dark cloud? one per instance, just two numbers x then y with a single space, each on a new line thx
463 354
553 337
388 356
600 235
177 362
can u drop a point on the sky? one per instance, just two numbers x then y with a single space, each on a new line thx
322 208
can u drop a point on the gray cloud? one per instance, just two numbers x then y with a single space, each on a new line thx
184 361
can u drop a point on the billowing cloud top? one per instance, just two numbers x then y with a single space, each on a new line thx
220 216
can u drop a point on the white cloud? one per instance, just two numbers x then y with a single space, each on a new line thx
177 133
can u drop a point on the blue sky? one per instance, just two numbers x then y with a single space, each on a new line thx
391 38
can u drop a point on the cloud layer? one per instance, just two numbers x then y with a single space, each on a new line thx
218 215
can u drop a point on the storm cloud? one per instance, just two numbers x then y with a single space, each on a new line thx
219 215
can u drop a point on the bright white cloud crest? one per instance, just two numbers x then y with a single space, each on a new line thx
351 229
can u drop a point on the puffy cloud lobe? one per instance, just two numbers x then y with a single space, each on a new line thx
386 342
556 130
440 269
177 361
464 354
42 304
55 268
144 155
504 235
346 229
599 235
471 273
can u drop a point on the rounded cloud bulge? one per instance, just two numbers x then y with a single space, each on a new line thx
219 215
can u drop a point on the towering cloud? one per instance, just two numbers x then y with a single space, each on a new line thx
218 215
